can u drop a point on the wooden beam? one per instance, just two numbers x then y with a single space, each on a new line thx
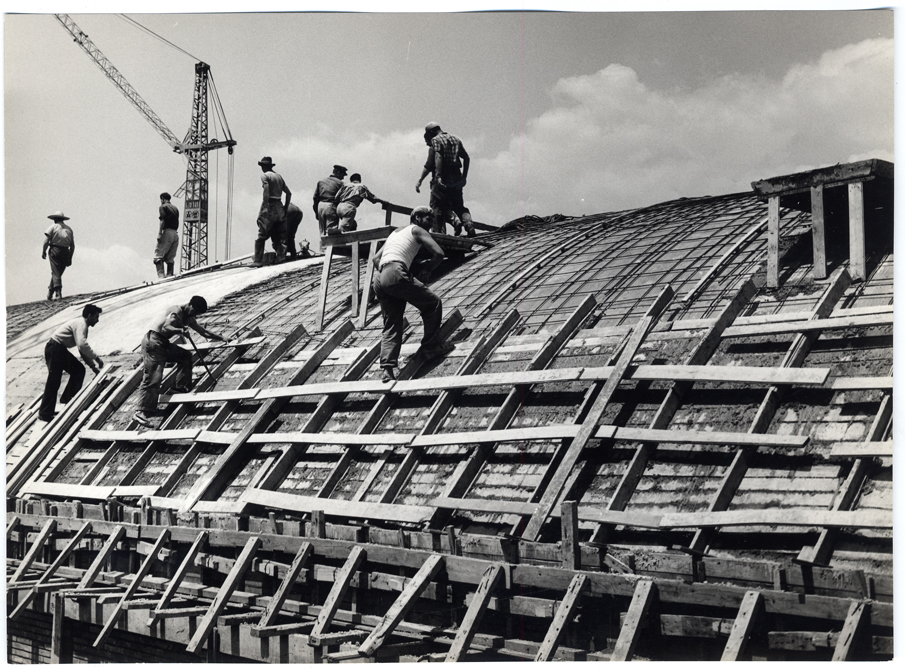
56 630
862 449
149 560
557 483
818 232
295 568
858 612
401 605
338 507
749 615
563 616
340 586
476 609
850 519
356 277
100 560
322 295
209 621
644 594
570 546
187 562
824 325
773 242
33 552
856 245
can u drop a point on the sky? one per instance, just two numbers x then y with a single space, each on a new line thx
572 113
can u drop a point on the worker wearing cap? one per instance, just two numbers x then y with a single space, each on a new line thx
293 220
395 286
348 199
157 351
448 161
59 243
272 217
58 359
167 237
325 198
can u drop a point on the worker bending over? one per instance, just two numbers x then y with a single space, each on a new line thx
348 199
325 198
293 220
157 351
167 237
59 242
58 359
272 217
395 286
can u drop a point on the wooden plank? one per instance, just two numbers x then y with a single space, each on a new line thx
500 435
369 277
401 605
862 449
818 232
645 592
209 621
210 397
564 468
338 507
350 238
345 387
340 586
187 562
334 438
773 242
100 560
861 383
749 615
703 437
824 325
295 568
12 526
856 245
476 609
26 599
56 630
325 280
804 517
854 622
33 552
570 545
563 616
133 436
483 505
356 269
719 374
149 560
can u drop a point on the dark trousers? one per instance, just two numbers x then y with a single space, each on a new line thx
58 360
395 287
156 352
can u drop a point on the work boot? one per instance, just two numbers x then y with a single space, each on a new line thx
387 375
436 350
170 267
49 294
290 248
159 267
142 418
259 254
279 251
58 293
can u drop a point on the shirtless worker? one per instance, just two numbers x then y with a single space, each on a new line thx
157 351
272 216
395 286
58 359
60 243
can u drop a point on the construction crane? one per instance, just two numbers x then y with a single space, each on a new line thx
195 146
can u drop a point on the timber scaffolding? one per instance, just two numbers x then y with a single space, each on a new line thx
636 450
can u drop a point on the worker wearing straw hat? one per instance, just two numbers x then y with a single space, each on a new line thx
59 244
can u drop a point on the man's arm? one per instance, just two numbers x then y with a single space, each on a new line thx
465 162
377 257
428 168
162 216
438 165
46 246
426 240
81 341
206 333
317 190
288 194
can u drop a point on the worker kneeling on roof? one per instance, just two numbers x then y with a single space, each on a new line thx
157 351
395 286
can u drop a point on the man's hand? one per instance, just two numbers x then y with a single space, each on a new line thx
424 275
418 187
100 363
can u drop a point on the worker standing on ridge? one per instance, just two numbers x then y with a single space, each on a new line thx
272 217
325 198
157 351
293 220
60 242
167 237
348 199
448 161
58 359
395 286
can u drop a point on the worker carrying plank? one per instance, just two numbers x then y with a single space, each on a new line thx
157 351
448 162
58 359
348 199
395 286
272 216
167 237
325 198
59 243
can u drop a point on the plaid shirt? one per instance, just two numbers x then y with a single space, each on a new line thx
450 149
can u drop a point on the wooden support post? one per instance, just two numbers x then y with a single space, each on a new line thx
476 609
557 485
177 578
101 559
318 524
818 231
26 599
369 276
341 583
402 605
749 614
856 239
56 630
209 621
36 547
355 278
773 241
322 298
858 612
132 588
561 619
571 548
645 592
277 600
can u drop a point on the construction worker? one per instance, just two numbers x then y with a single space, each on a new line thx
395 286
447 161
157 351
272 217
60 242
293 220
325 198
348 199
58 359
167 237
